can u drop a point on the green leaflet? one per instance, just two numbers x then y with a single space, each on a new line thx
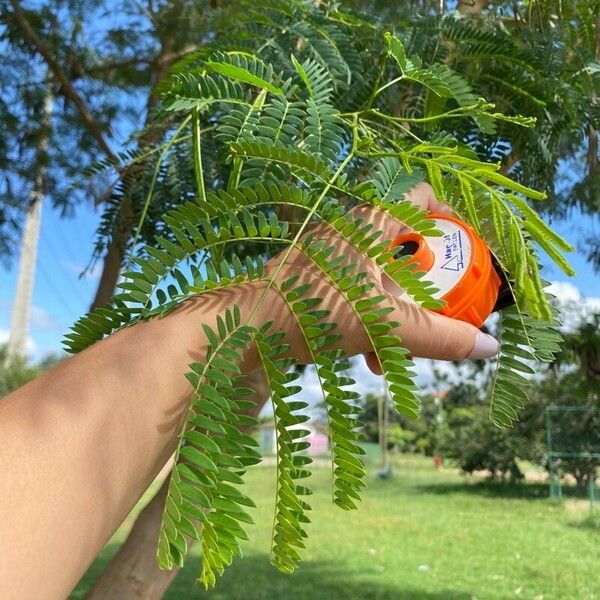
308 164
361 236
278 146
302 72
396 49
290 509
523 340
344 433
199 91
345 277
392 181
213 453
241 74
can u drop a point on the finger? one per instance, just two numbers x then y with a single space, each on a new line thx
429 335
422 195
373 363
389 226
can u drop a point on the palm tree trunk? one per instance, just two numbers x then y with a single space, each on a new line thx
19 324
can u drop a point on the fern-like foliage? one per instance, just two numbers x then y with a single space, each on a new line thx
290 509
212 455
289 152
525 341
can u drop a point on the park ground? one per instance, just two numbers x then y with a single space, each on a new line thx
422 535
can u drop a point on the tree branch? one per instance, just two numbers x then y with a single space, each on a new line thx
110 66
509 160
67 88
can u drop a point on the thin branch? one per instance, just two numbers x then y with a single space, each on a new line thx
101 68
67 88
508 161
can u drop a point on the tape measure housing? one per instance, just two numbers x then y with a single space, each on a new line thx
459 264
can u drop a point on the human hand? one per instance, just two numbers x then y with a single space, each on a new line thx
424 333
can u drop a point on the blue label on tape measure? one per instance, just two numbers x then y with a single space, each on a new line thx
453 252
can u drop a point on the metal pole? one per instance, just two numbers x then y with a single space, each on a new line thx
554 480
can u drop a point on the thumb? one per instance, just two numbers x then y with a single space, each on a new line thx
429 335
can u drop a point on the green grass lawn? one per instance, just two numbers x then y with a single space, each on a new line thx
423 534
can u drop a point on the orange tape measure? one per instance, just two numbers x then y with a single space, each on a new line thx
461 266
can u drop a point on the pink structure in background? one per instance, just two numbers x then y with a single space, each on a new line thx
319 442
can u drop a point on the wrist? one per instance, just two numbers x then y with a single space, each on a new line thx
258 303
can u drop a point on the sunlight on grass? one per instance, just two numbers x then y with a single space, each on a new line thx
423 534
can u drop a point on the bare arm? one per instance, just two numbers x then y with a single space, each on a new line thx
80 445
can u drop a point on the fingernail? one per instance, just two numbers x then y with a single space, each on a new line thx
485 346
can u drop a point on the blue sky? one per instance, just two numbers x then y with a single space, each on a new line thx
65 247
60 295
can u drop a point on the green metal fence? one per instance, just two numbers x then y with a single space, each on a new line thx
573 437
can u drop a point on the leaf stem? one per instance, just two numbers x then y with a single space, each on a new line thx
375 91
150 193
455 113
387 85
277 462
198 169
323 393
307 219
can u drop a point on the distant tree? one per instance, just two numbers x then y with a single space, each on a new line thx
476 444
540 58
44 50
574 382
404 434
19 371
575 431
400 439
104 73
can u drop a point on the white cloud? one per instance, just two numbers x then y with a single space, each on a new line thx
574 307
31 346
93 273
41 319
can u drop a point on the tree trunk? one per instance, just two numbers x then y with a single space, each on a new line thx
133 573
113 260
19 323
111 267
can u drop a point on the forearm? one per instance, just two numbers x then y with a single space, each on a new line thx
81 444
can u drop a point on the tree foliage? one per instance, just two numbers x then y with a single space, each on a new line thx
19 371
98 69
307 137
572 385
568 386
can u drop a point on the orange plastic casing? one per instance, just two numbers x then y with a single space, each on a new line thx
473 296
